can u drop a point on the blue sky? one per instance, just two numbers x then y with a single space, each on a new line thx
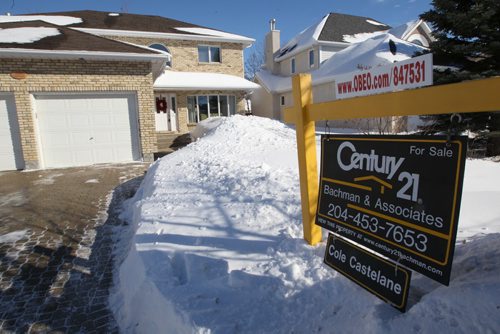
248 18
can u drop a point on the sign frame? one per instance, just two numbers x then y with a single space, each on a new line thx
340 220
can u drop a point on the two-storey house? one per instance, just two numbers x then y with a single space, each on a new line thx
322 49
85 87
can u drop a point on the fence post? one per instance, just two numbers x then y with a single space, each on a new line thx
306 148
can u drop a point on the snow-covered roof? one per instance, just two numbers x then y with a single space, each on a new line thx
403 30
369 53
214 33
172 80
26 35
304 40
54 19
135 25
335 28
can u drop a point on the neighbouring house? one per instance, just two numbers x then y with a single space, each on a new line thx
85 87
337 44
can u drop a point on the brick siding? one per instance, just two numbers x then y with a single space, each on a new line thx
185 54
78 76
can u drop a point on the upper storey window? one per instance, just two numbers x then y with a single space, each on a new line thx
164 49
208 54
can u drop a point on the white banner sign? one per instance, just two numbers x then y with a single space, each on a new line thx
407 74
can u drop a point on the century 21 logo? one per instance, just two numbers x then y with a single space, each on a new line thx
384 164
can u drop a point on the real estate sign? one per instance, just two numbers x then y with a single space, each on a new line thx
407 74
382 278
397 195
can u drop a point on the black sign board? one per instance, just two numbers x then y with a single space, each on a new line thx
397 195
382 278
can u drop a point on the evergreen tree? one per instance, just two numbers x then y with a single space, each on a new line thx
467 36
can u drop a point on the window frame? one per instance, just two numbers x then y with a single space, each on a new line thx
312 59
209 54
230 105
282 100
166 50
293 66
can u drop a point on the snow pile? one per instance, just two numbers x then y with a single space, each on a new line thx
218 249
54 19
26 35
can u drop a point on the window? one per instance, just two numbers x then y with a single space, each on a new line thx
192 110
208 54
311 58
164 49
282 100
204 106
292 66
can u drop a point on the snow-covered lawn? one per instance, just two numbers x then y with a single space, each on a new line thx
218 248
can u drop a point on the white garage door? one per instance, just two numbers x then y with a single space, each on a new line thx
10 145
85 129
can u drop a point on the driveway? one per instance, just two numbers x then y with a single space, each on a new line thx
56 246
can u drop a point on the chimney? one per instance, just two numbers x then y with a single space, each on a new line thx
272 45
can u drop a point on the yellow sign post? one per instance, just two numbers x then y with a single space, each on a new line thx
464 97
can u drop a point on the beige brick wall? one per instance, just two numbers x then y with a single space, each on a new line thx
49 75
185 55
182 111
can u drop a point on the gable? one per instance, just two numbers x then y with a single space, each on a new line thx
339 25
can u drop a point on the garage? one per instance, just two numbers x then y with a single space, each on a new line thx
10 144
87 129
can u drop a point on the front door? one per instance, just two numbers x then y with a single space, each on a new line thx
166 112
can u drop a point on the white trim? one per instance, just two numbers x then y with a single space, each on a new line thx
109 32
420 38
135 130
330 43
209 54
15 52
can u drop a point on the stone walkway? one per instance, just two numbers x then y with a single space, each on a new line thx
56 246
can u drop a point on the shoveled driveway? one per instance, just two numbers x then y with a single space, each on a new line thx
56 245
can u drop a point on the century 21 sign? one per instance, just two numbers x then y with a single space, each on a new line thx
397 195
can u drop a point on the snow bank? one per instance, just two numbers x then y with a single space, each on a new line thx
219 249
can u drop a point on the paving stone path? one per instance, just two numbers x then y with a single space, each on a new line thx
57 238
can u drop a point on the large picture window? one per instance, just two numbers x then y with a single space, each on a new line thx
201 107
208 54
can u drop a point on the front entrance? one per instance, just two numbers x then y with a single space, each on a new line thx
166 112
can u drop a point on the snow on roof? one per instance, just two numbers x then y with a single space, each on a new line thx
212 32
197 80
403 30
373 52
304 40
376 23
57 20
370 53
26 35
362 36
274 83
